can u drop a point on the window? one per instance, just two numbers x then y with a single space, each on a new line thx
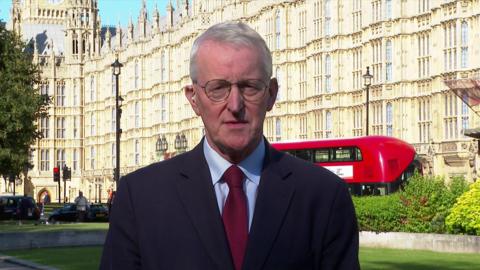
389 122
423 59
75 94
357 15
317 21
423 6
376 10
377 113
163 67
388 56
377 61
93 124
278 129
92 88
302 83
278 75
44 88
60 128
137 152
60 94
45 160
137 114
114 86
114 155
450 121
302 28
137 75
358 121
328 18
75 160
318 124
328 74
303 127
163 109
60 158
278 27
450 44
92 157
464 44
388 9
328 124
45 126
464 113
317 74
357 75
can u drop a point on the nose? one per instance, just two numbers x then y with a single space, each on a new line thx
235 100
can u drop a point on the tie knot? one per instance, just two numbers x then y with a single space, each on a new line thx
234 177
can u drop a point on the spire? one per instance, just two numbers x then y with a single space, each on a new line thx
118 36
130 29
156 19
170 14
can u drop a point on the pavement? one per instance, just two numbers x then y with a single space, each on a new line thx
11 263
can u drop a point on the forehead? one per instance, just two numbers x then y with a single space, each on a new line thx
228 60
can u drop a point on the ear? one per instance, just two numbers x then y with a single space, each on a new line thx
272 93
192 98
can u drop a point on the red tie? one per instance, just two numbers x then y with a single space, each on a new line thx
235 215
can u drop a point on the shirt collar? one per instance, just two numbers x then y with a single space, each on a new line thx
250 166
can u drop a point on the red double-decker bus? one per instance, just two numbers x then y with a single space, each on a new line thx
371 165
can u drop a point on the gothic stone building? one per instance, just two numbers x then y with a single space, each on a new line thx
320 49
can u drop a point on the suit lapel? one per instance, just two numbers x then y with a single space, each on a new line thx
197 194
274 196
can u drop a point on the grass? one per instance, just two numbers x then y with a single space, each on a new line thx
11 226
370 259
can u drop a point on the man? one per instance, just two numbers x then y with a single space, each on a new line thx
82 205
232 202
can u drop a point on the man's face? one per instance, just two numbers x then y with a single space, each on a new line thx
233 127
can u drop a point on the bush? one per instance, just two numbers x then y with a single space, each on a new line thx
465 214
378 213
427 201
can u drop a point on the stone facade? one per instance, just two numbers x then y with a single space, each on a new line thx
320 49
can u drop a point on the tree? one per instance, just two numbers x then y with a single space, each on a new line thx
20 103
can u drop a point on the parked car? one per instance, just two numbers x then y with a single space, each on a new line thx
95 212
11 206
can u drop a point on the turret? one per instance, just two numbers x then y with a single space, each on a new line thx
142 20
169 14
130 30
156 20
118 37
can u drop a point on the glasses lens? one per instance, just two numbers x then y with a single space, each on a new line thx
217 90
252 89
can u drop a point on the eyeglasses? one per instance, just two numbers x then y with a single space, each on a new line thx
218 90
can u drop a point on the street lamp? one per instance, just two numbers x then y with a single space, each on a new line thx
367 81
116 70
181 143
161 145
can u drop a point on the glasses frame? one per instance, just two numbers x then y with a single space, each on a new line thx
204 87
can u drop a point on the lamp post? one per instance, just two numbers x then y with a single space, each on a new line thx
367 81
161 145
116 70
181 143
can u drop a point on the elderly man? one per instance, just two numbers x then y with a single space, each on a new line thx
233 202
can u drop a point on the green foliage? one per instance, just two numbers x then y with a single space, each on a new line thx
20 103
465 214
421 207
426 201
378 213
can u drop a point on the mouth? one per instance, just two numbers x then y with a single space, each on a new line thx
235 123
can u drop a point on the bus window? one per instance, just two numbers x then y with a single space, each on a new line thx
358 153
304 154
321 155
343 154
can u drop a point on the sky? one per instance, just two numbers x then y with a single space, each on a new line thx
111 11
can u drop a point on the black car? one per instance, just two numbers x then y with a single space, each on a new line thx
95 212
18 207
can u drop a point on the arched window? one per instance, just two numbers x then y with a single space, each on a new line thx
92 157
388 9
328 124
163 109
278 27
92 88
278 75
389 113
278 129
163 68
137 75
328 74
137 152
137 114
464 44
388 56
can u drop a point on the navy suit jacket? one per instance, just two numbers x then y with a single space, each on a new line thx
166 216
